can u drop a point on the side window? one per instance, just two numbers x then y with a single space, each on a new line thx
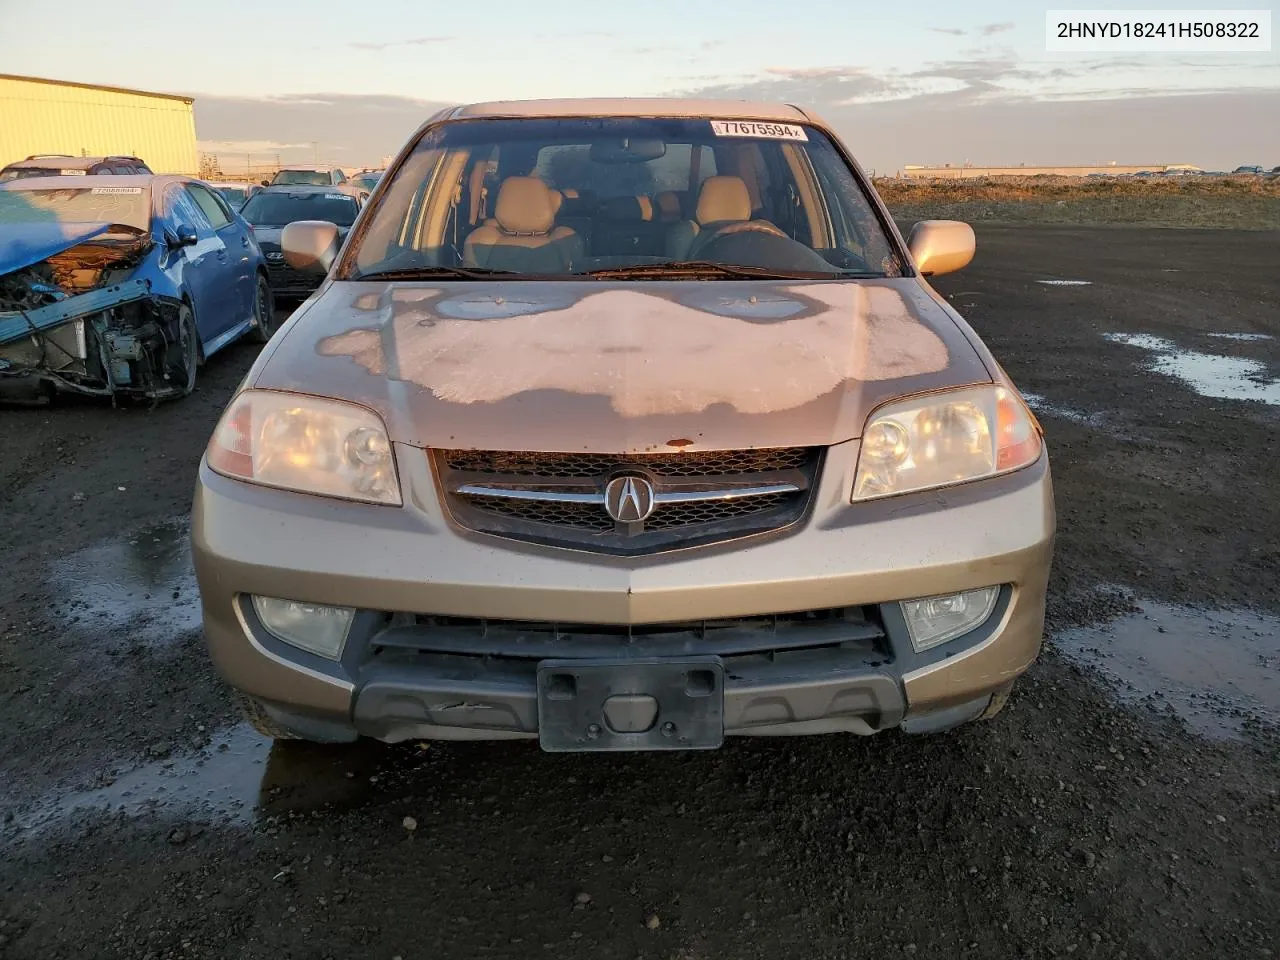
339 177
217 215
181 208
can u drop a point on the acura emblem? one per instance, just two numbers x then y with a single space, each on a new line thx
629 499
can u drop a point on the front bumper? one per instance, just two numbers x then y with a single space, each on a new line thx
412 560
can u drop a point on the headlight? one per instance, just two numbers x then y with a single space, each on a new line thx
941 439
295 442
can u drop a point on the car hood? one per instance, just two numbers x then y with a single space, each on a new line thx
268 237
622 366
22 244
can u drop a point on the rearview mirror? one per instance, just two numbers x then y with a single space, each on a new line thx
627 150
941 246
310 245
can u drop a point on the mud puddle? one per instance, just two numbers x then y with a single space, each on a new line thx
238 777
1210 375
142 581
1217 670
1043 405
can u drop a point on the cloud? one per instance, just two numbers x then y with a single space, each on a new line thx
950 31
412 42
994 28
351 128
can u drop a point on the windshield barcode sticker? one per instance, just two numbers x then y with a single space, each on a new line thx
336 196
116 191
757 128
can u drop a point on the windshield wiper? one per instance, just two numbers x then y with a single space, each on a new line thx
703 268
431 273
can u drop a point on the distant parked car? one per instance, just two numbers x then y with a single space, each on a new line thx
65 165
271 209
366 180
312 176
121 285
1258 171
234 193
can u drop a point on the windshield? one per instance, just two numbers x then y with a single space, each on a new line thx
311 178
545 197
130 206
270 209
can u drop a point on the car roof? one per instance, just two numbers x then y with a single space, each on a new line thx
315 167
53 161
637 107
95 180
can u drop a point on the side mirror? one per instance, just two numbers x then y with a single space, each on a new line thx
181 236
310 245
941 246
266 183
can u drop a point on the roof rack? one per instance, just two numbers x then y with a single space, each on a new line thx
52 156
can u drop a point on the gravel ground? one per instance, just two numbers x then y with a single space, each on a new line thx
138 819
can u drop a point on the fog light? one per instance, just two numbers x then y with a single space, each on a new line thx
932 621
313 627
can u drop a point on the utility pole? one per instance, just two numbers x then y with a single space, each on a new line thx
315 152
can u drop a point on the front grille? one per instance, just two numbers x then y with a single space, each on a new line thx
560 498
849 627
284 277
594 465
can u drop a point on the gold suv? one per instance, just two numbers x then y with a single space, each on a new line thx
623 424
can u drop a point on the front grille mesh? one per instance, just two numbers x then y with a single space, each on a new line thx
588 526
595 465
583 516
712 511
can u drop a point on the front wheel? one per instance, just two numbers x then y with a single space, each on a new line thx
183 355
264 311
998 701
263 722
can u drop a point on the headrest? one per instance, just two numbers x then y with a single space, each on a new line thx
722 198
668 204
525 206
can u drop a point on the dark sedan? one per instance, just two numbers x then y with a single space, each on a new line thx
271 209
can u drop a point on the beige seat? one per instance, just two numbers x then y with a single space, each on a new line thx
723 203
522 235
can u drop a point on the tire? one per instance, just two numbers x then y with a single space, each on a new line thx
264 311
263 722
998 701
181 372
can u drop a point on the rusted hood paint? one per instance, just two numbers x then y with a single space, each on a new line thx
623 366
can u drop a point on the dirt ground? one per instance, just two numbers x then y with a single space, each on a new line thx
1125 805
1223 202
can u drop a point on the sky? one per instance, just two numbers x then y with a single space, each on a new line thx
924 82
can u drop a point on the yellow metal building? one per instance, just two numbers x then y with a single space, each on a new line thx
81 119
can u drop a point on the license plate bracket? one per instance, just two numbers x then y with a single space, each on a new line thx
667 703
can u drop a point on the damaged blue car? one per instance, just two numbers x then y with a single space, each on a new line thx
122 285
